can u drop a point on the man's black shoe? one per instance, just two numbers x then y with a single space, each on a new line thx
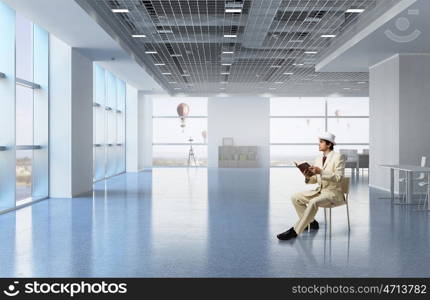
314 225
287 235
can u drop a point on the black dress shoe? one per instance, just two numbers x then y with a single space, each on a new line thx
287 235
314 225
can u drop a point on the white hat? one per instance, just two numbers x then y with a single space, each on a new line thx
328 137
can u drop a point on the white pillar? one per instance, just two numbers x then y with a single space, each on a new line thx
145 129
139 130
132 130
399 109
71 121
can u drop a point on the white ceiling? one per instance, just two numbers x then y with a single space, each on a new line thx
69 22
411 25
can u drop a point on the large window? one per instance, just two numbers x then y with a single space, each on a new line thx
109 124
179 140
24 126
296 122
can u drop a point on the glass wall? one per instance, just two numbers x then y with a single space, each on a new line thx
109 124
24 125
296 122
177 140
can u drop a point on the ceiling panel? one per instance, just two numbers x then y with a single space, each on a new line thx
200 47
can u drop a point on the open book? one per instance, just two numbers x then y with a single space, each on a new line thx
303 166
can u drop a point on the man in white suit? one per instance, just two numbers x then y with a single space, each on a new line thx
327 172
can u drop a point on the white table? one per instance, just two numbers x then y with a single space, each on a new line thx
409 169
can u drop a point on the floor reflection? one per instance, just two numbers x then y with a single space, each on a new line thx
199 222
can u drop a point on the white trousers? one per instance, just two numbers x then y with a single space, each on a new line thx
307 207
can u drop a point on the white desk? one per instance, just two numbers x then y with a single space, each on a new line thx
409 169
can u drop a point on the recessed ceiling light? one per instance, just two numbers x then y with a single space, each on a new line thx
275 66
362 82
279 82
228 52
138 35
120 10
328 35
233 10
288 73
185 75
311 52
177 88
164 31
346 88
172 82
166 73
159 64
272 88
223 82
355 10
151 52
175 55
225 73
230 35
226 64
298 64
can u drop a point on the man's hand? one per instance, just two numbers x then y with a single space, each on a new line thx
308 173
315 170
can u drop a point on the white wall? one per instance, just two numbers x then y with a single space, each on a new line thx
245 119
71 125
383 120
414 108
399 113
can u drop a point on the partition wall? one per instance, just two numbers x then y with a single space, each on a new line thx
24 108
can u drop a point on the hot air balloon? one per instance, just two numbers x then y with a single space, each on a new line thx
204 135
183 110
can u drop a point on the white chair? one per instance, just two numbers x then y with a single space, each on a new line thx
421 182
345 191
351 159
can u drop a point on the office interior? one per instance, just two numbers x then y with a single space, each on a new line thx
157 138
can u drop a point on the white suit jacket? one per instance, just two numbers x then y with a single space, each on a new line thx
330 180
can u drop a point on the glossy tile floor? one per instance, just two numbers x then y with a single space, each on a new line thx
172 222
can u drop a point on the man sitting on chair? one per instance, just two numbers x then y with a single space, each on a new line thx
328 172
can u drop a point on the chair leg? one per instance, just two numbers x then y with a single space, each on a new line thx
325 216
347 215
330 221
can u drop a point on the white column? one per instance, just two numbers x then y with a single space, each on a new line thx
139 130
71 125
399 109
145 131
132 130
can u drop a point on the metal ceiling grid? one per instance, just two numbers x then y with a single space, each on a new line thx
197 47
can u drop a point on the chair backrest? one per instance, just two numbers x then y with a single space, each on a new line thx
351 154
345 185
423 161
